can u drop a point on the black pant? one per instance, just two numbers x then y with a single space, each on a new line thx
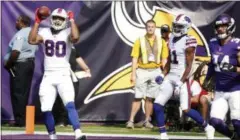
59 111
20 88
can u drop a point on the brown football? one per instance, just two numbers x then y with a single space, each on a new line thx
43 12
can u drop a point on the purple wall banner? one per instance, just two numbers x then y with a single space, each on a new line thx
107 32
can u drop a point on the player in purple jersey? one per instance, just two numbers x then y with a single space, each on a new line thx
225 65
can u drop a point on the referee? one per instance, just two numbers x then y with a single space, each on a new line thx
19 61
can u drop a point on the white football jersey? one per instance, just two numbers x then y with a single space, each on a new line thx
178 57
57 49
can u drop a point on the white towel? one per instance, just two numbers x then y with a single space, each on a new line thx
81 74
74 78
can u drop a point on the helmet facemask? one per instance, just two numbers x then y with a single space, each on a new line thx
59 19
224 20
181 25
179 29
58 23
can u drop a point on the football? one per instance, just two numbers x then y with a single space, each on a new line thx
43 12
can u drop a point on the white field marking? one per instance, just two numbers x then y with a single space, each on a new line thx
111 135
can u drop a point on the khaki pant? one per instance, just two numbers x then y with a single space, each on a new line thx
146 85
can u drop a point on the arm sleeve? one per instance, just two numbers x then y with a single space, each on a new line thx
68 30
191 42
136 49
165 51
77 54
211 69
18 43
6 57
42 32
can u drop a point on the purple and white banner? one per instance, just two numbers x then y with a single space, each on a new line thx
107 32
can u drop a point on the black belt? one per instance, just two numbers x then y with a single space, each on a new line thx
27 59
30 59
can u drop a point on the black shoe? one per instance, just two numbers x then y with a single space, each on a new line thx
83 137
16 124
19 125
61 124
235 136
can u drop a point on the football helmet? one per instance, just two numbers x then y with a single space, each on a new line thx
165 28
225 19
59 19
181 24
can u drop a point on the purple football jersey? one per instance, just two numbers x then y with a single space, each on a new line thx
225 81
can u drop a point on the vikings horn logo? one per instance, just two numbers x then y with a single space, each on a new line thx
118 82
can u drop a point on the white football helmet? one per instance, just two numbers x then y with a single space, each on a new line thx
181 25
56 23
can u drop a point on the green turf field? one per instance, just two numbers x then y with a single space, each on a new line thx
109 129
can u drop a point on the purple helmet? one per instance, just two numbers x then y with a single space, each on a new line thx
222 20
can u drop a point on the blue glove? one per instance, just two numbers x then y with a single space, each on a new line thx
159 79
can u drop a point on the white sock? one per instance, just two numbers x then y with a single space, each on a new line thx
52 136
164 134
78 133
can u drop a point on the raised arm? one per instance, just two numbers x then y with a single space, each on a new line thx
33 37
74 36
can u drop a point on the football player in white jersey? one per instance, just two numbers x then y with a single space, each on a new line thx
57 40
182 51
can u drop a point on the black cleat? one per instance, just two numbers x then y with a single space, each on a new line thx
235 136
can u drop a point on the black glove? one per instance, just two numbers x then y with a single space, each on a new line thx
226 67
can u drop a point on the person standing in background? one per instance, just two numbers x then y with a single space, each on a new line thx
165 32
19 61
149 56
